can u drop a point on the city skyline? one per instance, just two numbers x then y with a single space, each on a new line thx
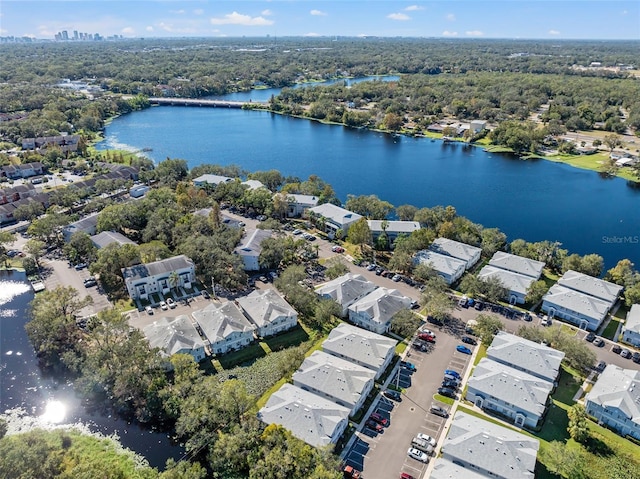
526 19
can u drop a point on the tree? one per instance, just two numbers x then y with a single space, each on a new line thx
536 291
325 311
80 248
359 233
493 289
370 206
272 252
406 212
471 285
563 460
493 240
623 273
487 327
111 259
592 265
393 122
404 323
335 267
170 171
578 423
438 305
36 249
612 141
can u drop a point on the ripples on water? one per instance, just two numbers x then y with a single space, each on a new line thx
9 290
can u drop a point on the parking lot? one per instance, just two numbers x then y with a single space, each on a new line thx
385 454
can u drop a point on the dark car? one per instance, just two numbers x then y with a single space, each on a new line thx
590 337
616 348
379 419
600 366
449 384
432 320
80 266
463 349
408 365
205 294
479 306
371 424
469 340
438 411
391 394
453 373
427 337
636 357
448 392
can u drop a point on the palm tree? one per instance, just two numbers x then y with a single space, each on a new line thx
174 279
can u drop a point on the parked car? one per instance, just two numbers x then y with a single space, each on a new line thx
469 340
406 475
296 232
616 348
171 303
396 278
427 337
149 310
448 377
598 342
448 383
546 321
422 445
163 306
451 372
434 320
448 392
379 419
261 217
428 331
600 366
391 394
479 306
438 411
88 283
408 365
205 294
636 357
80 266
463 349
590 337
463 302
415 305
426 437
374 426
417 455
625 353
349 472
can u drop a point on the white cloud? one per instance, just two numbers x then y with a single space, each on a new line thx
266 13
198 11
399 16
171 28
128 31
149 28
474 33
413 8
554 32
625 12
318 13
447 33
451 17
236 18
177 12
311 34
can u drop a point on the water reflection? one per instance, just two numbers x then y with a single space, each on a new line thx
10 290
55 412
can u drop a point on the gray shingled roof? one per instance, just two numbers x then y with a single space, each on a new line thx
168 265
535 358
335 214
358 344
219 321
442 263
454 249
265 306
304 199
517 264
381 305
105 238
445 469
252 241
520 389
595 287
307 416
518 283
173 335
577 302
345 289
212 179
394 226
632 322
504 452
333 376
618 388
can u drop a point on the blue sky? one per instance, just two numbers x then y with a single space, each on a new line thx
539 19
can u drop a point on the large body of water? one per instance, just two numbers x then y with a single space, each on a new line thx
23 386
534 200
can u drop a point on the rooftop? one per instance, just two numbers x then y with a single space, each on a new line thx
441 263
518 283
304 199
173 335
163 266
577 302
335 214
517 264
307 416
595 287
211 179
346 289
363 346
502 451
632 322
454 249
618 388
251 242
522 390
263 307
535 358
253 184
381 304
407 227
335 377
445 469
106 238
219 321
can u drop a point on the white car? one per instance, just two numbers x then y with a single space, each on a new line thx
371 267
149 310
426 437
428 331
417 455
171 303
163 306
422 445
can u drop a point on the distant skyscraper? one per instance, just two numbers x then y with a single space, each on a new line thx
65 35
75 34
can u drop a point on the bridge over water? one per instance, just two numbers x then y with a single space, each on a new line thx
200 102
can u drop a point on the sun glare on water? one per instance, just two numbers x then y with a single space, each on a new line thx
54 412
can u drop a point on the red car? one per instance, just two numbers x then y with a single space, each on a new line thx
371 424
427 337
406 475
379 419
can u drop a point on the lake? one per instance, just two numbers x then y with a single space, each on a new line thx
24 386
534 200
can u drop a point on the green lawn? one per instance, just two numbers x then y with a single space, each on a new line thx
293 337
244 355
568 385
610 331
482 352
443 399
401 347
